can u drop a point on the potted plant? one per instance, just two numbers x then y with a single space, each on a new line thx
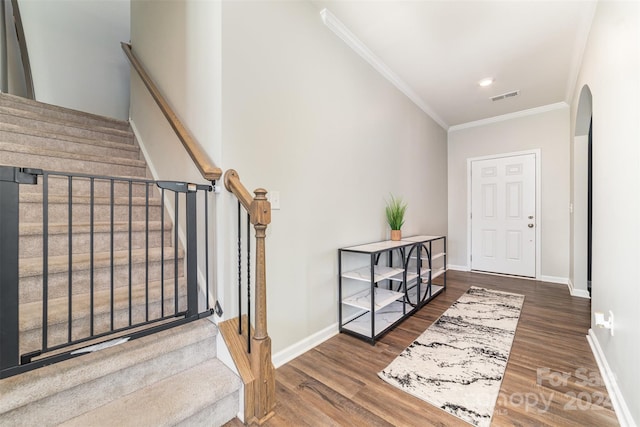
395 211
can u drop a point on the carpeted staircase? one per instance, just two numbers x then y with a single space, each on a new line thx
168 378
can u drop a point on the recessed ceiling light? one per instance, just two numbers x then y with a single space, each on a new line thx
486 82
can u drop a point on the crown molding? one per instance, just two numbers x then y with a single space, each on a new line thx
509 116
350 39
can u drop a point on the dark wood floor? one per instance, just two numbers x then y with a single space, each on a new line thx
551 378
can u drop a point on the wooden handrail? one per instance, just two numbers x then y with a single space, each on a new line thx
258 406
205 165
233 185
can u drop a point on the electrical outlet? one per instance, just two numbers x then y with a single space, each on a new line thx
601 322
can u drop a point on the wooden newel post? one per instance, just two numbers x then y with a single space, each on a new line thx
260 214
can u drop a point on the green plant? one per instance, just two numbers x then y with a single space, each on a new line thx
395 212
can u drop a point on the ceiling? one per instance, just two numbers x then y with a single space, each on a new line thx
441 49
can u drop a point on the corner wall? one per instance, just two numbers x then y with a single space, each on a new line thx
611 69
548 131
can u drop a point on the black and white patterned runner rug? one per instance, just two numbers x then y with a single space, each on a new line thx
457 364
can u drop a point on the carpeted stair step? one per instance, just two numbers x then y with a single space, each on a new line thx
152 296
31 241
49 141
31 208
31 281
63 127
56 393
59 185
61 113
51 160
205 395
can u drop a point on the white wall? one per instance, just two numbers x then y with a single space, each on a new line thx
305 115
275 95
548 131
82 67
178 45
611 69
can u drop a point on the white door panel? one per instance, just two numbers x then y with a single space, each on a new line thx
503 207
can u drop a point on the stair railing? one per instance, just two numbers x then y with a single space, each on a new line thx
201 159
260 382
128 309
259 393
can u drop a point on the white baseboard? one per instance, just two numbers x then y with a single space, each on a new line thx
554 279
615 394
577 292
580 293
295 350
551 279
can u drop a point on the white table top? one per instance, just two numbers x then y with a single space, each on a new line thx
379 246
421 239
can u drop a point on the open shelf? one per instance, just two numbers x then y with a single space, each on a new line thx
383 319
436 256
437 273
433 257
383 297
412 292
423 274
379 273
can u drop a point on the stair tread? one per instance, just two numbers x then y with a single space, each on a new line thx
97 200
168 401
31 313
82 261
118 179
25 149
35 228
40 117
23 130
20 103
32 386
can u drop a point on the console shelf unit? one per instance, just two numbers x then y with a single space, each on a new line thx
374 298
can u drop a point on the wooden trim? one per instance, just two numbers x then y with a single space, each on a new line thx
233 185
237 345
205 165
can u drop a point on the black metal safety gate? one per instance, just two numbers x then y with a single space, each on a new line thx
165 305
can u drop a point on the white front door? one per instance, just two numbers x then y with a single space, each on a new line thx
503 208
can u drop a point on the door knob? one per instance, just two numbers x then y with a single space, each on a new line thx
530 225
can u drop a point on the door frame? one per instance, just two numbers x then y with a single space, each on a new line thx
537 154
